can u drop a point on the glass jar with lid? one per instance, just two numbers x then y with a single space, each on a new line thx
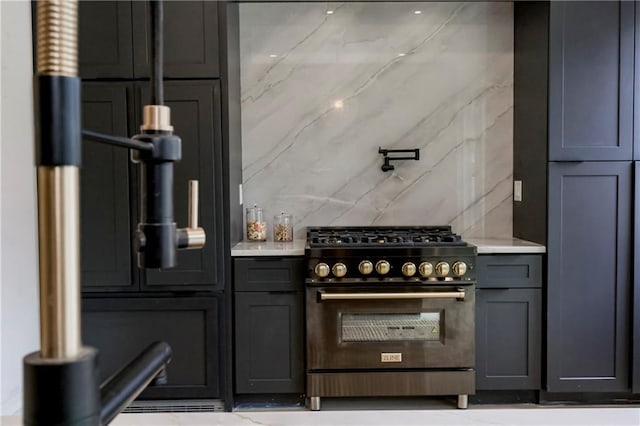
283 227
256 225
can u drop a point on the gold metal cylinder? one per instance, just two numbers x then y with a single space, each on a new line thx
156 117
59 250
57 52
197 238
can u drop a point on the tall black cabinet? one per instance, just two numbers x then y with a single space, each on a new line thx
574 150
125 308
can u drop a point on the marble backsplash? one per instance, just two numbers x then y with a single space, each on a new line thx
325 84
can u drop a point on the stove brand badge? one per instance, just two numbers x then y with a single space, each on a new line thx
390 357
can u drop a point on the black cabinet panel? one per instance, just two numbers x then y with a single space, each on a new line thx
636 91
121 328
589 276
591 53
190 39
508 323
508 271
269 274
635 337
269 343
105 42
104 198
195 116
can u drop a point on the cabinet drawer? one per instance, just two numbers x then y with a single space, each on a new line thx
269 274
508 271
121 328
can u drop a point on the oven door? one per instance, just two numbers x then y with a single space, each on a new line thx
390 328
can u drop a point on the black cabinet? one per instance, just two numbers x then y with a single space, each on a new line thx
635 319
591 54
190 39
589 290
269 324
195 116
589 211
105 39
508 322
114 39
125 308
109 195
106 256
122 328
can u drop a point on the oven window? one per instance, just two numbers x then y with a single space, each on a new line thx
390 327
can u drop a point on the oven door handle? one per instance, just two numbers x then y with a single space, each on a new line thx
459 294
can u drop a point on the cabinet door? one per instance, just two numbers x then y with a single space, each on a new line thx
195 116
591 53
589 278
105 41
106 257
190 39
121 328
508 323
269 343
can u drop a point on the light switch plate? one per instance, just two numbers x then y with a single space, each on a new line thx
517 190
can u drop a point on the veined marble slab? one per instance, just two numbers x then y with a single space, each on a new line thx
321 92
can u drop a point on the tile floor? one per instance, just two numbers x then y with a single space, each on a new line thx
520 415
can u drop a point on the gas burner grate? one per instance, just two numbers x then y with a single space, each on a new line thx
383 237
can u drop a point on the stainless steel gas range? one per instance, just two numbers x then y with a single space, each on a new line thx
390 312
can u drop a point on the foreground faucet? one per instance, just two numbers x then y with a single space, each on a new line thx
61 380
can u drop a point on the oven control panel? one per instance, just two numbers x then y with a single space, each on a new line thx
385 269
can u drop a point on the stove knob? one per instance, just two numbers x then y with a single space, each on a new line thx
459 268
382 267
365 267
409 269
322 270
442 269
339 270
426 269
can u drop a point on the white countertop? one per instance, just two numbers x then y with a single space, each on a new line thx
296 247
269 248
505 246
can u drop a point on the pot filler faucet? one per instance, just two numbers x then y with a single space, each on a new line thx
60 380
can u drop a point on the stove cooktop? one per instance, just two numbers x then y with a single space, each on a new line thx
387 236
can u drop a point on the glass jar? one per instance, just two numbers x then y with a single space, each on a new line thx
256 225
283 227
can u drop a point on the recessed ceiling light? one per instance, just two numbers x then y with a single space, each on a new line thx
329 12
339 104
417 12
402 54
273 55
